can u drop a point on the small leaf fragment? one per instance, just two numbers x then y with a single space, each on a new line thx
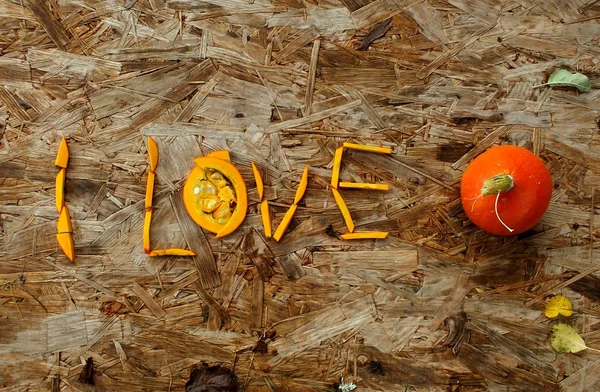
65 240
152 153
64 221
302 187
59 191
62 157
558 305
212 379
260 187
285 222
149 189
344 209
565 339
266 217
564 78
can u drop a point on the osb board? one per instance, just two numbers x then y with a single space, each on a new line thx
439 304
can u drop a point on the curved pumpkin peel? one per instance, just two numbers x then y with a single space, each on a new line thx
367 235
337 165
364 185
344 209
266 217
172 252
147 222
302 187
62 157
260 187
60 190
65 241
152 153
64 221
209 199
149 190
220 154
285 222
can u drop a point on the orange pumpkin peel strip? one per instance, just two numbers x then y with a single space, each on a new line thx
364 185
63 225
65 240
302 187
152 153
221 154
149 189
260 187
62 157
362 147
344 209
285 222
60 190
337 165
64 221
266 217
147 222
367 235
172 252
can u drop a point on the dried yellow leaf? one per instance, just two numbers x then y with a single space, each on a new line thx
558 305
565 339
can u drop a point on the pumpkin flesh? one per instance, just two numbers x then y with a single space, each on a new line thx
521 207
215 195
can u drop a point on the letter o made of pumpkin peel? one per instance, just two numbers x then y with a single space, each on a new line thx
215 195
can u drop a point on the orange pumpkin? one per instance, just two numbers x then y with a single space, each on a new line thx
506 190
215 195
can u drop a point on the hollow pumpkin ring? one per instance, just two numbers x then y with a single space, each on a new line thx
215 195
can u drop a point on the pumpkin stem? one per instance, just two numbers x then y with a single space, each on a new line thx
496 184
498 216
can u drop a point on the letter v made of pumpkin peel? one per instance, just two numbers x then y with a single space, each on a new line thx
336 184
264 204
153 158
64 227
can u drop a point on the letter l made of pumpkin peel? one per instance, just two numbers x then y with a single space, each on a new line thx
153 158
336 185
64 227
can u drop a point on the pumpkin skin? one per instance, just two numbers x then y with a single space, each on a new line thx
217 204
521 207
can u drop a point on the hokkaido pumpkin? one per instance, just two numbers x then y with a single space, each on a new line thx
215 195
506 190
